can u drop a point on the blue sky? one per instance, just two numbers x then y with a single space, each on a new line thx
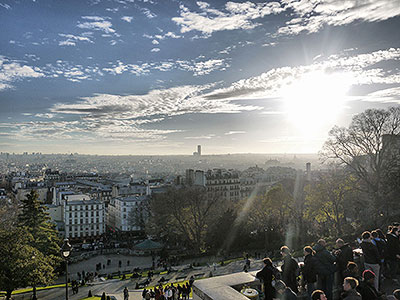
160 77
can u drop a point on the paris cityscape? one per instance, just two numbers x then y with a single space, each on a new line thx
205 150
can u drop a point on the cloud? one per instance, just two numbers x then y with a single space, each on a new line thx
11 71
117 117
74 73
155 104
385 95
156 37
127 19
203 67
359 69
311 16
198 66
235 132
155 50
6 6
120 68
155 42
70 39
96 23
201 137
148 13
235 16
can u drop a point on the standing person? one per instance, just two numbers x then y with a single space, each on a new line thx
266 275
343 254
349 287
392 253
144 293
309 270
371 256
126 293
325 267
289 269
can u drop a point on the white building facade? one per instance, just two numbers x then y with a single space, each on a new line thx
84 218
127 213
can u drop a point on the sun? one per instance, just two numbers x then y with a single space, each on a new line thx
314 101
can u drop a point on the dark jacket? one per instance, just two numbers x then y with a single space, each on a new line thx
288 294
267 274
289 270
343 255
368 291
370 253
326 261
351 295
381 245
392 246
310 269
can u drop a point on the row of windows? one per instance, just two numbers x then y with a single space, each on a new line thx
85 207
86 214
75 221
83 228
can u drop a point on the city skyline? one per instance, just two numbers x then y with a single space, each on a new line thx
148 77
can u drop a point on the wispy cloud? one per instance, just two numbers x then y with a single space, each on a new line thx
358 69
11 71
6 6
235 16
235 132
116 117
391 95
71 72
200 137
96 23
311 16
166 102
127 19
120 68
157 37
148 13
205 67
70 39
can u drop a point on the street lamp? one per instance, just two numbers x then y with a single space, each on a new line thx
34 283
65 252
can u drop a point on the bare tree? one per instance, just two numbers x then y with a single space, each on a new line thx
363 149
184 212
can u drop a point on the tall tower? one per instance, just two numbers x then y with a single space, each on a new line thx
198 149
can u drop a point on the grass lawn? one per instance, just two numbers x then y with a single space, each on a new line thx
29 290
91 298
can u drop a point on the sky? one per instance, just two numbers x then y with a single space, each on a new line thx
148 77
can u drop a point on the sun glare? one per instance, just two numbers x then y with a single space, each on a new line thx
314 101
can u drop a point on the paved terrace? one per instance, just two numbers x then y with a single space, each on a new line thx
214 288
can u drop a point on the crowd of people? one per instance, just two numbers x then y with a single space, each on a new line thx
169 292
316 274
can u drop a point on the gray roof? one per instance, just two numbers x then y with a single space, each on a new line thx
148 245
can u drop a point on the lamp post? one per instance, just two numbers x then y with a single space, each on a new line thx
65 252
34 283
